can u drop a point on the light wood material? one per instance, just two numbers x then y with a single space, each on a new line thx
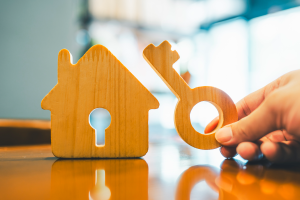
98 80
161 59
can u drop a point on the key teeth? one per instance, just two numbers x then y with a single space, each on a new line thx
167 46
164 46
148 49
166 43
175 56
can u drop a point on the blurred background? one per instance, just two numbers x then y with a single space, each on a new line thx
236 45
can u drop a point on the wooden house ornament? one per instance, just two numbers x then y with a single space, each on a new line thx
161 59
98 80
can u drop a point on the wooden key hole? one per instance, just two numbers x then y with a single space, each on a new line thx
100 120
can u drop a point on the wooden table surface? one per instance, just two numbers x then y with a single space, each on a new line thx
171 170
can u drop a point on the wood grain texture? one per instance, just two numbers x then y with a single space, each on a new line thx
161 59
98 80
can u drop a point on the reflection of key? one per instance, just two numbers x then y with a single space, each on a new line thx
192 176
161 59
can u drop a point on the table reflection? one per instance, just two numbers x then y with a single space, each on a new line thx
100 191
174 172
99 179
239 181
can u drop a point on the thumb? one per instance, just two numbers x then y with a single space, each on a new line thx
251 128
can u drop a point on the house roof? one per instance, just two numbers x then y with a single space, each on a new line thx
87 68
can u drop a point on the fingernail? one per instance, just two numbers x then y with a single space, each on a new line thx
224 134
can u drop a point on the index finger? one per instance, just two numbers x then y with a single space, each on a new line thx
248 104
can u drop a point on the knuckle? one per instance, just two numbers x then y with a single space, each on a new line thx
245 107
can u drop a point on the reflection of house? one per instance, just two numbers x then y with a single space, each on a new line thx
84 179
98 80
100 191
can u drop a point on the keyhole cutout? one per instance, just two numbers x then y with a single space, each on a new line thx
99 120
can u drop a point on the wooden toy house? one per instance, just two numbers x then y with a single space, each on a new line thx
98 80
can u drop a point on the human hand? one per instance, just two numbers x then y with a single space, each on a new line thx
269 123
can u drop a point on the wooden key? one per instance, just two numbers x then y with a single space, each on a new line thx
161 59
